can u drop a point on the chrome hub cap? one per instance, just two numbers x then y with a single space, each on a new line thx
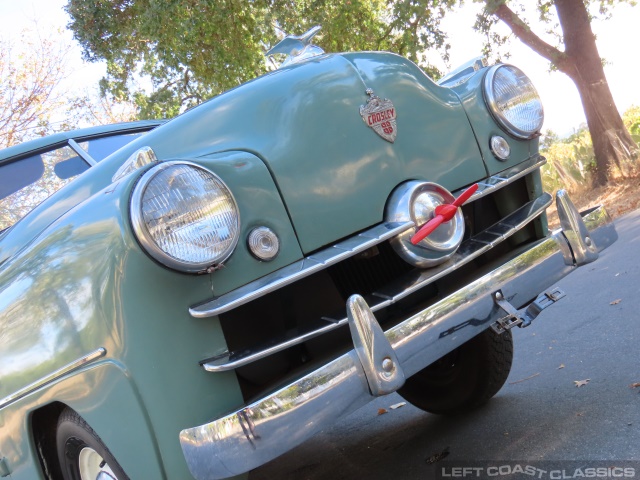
93 467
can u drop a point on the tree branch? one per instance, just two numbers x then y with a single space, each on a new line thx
521 30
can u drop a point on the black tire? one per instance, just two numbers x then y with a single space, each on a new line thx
464 379
73 435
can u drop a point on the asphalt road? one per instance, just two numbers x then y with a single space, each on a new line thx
540 418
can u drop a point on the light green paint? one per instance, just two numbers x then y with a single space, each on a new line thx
292 146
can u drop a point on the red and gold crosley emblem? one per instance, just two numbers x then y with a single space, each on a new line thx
380 114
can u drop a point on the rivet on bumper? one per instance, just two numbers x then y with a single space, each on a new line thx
378 359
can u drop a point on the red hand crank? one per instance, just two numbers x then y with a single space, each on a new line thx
444 213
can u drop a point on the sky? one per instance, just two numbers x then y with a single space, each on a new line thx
563 110
49 16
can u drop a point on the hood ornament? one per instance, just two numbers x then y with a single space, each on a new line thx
297 47
380 115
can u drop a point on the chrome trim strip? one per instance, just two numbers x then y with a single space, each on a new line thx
341 251
82 153
251 436
298 270
492 104
463 72
52 377
415 280
504 178
144 235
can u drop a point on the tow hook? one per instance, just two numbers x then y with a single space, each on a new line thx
523 317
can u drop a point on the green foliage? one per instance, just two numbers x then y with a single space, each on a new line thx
571 161
34 101
528 12
631 119
30 75
186 51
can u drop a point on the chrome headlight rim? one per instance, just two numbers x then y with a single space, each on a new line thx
496 113
144 236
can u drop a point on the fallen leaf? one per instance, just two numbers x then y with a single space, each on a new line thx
615 302
436 457
561 366
634 385
524 379
581 383
381 411
397 405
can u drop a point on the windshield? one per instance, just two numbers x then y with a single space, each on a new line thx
27 182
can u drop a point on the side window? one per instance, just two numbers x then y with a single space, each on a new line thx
29 181
99 148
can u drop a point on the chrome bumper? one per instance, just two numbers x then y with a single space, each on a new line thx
269 427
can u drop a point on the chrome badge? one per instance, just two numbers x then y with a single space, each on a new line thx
380 114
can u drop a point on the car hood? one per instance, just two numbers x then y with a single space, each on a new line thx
334 173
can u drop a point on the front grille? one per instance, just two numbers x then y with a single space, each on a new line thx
369 271
319 299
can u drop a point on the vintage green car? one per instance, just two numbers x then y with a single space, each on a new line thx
224 286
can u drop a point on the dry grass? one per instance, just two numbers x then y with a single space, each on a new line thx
619 197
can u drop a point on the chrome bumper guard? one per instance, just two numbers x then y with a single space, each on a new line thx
380 361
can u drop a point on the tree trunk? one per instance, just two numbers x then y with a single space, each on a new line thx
612 144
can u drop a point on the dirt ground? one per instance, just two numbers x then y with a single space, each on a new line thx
619 197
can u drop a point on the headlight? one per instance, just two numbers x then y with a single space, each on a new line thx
416 201
513 101
185 216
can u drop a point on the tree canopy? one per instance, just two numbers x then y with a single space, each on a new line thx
30 74
573 51
191 50
34 100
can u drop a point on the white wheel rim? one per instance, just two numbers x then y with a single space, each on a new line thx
93 467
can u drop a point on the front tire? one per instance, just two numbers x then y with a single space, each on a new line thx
81 453
465 378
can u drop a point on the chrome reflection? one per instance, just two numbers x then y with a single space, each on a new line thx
138 159
417 201
343 250
399 289
298 48
502 179
583 247
376 355
298 270
287 417
52 377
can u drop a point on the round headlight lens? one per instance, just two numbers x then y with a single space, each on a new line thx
513 101
185 216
